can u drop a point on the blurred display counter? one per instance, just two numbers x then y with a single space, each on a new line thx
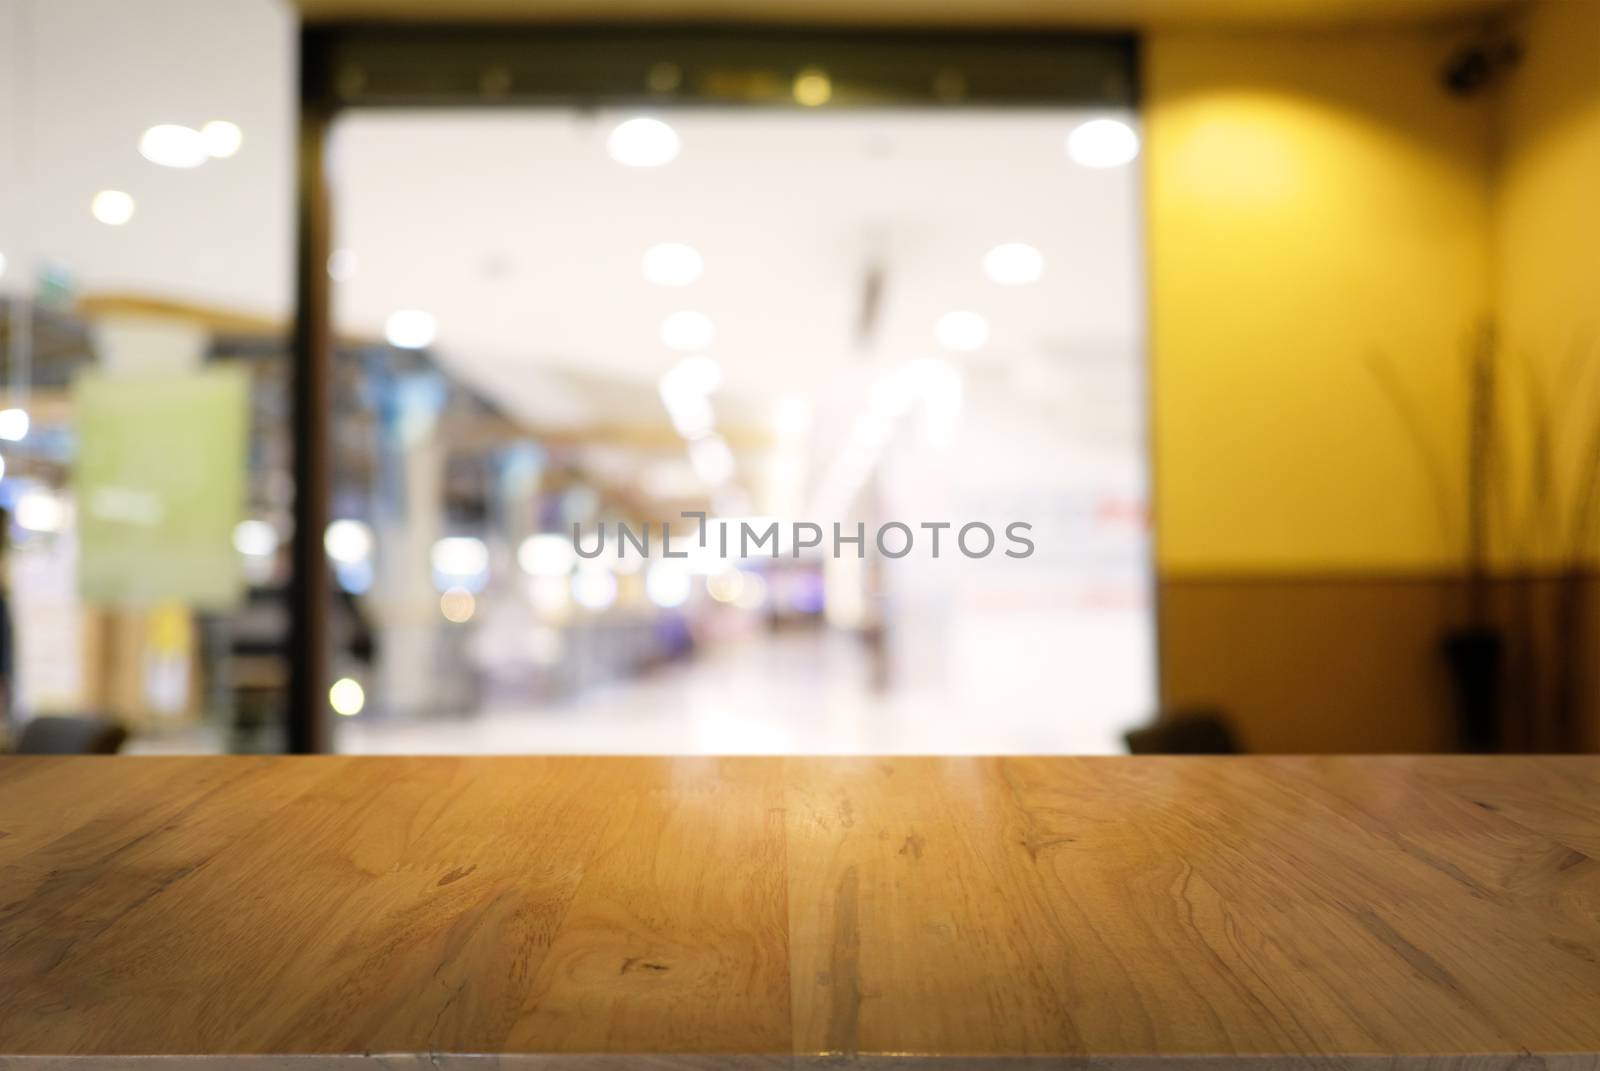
743 912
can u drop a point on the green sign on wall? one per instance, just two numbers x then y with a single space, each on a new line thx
160 485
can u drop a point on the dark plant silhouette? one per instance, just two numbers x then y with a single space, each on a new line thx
1511 506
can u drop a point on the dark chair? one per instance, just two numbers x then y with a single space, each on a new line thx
1185 733
58 735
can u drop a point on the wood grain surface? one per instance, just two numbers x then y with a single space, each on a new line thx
776 912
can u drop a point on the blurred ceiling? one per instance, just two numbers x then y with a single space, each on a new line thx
520 234
1089 13
81 80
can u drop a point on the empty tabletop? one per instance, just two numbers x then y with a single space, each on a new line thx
589 912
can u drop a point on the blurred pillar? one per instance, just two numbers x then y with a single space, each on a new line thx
307 728
408 670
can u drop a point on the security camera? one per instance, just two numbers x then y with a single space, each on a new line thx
1473 67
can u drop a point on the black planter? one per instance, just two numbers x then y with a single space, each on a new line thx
1476 658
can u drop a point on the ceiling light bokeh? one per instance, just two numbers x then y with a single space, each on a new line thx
410 329
221 138
1102 143
112 207
1013 264
171 145
672 264
688 330
643 142
962 330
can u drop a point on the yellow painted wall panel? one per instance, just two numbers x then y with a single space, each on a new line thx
1313 199
1547 234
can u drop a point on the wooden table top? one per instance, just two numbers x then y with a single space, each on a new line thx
721 912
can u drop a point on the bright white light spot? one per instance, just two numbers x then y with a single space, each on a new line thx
13 424
410 329
1102 143
667 584
2 263
698 374
347 541
173 146
255 538
346 697
962 330
112 207
643 143
457 605
672 264
40 511
688 330
222 138
459 556
594 589
712 460
342 265
547 554
1013 264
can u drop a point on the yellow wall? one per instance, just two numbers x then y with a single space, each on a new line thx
1547 224
1313 199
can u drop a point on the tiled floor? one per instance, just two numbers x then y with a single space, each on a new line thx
812 694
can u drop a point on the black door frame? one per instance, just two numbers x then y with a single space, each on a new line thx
371 65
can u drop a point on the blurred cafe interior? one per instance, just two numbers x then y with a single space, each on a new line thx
331 346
